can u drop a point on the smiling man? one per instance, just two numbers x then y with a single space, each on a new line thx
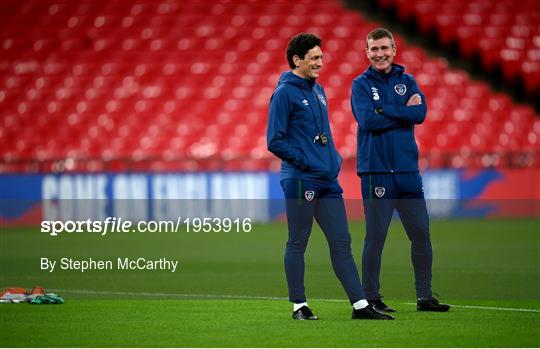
387 104
299 134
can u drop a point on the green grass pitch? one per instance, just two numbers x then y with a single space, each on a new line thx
230 291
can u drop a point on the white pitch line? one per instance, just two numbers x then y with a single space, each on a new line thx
181 295
230 296
490 308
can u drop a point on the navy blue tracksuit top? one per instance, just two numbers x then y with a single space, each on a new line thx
386 140
298 113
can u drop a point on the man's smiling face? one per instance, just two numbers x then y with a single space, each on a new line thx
310 66
381 54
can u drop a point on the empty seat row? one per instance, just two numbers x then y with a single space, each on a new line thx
104 95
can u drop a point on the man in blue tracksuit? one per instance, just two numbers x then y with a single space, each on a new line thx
387 104
299 134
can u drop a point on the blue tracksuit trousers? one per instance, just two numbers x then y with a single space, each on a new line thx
383 193
305 200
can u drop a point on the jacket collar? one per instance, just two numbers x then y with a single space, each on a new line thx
396 70
289 77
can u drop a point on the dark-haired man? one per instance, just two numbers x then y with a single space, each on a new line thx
299 134
387 104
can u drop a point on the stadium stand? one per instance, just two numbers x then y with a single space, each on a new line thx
505 35
184 85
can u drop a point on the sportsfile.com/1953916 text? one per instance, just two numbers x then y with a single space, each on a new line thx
119 225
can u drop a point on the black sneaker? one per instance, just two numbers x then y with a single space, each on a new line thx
369 313
379 305
431 304
304 313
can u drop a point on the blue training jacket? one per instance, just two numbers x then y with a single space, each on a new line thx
386 140
298 113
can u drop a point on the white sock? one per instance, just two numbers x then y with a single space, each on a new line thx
361 304
297 306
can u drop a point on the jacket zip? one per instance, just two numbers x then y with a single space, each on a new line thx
330 139
392 165
321 130
392 152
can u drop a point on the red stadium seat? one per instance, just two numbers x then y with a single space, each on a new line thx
184 86
502 33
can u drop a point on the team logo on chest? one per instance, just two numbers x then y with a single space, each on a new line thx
321 98
400 89
379 191
305 102
309 194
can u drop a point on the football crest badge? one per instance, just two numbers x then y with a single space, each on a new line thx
379 191
309 194
321 98
400 89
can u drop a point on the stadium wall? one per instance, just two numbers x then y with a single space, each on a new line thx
26 199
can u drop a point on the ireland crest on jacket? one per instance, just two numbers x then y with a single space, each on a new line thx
400 89
321 98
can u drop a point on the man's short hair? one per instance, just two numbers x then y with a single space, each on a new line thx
380 33
300 44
